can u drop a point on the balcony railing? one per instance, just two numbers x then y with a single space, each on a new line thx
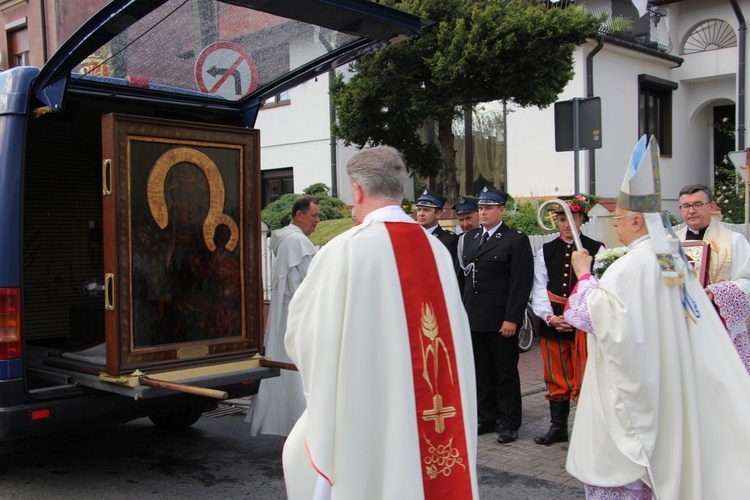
622 22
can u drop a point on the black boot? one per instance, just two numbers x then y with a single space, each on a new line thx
558 431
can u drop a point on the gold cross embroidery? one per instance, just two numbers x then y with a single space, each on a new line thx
438 413
431 361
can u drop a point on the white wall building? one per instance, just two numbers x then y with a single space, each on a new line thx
687 57
702 66
297 141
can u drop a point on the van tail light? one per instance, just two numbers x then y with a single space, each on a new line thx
10 323
40 414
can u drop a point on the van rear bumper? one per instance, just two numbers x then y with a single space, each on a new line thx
94 405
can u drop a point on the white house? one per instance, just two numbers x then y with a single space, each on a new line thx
297 140
673 72
695 68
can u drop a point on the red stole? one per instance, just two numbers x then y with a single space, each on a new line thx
440 423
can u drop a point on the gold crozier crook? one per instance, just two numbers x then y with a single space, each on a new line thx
568 214
157 203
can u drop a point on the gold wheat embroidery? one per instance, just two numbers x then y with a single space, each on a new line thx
431 355
442 457
717 264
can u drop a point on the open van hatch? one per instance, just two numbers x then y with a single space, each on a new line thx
215 54
152 193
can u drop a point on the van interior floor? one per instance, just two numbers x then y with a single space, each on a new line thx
58 344
42 358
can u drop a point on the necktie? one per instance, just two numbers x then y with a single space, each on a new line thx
485 237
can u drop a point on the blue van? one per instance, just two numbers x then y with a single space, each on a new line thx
130 257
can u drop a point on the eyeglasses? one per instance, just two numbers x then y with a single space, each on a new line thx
685 207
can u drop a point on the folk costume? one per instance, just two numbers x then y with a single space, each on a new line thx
280 401
499 275
729 279
382 342
563 353
664 404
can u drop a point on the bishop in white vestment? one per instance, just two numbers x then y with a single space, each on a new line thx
664 403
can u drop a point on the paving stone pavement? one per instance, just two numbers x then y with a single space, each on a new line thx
524 456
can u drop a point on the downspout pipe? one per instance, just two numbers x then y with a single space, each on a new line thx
590 93
740 76
43 16
332 118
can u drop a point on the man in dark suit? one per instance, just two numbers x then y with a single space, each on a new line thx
429 209
467 213
496 292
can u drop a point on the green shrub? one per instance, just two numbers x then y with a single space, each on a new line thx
317 189
522 215
620 24
672 219
729 193
407 205
278 213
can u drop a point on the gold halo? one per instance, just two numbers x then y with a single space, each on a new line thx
157 203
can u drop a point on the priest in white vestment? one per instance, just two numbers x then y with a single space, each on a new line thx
728 277
380 336
664 404
280 400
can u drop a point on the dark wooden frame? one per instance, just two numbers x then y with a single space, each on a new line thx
699 254
230 169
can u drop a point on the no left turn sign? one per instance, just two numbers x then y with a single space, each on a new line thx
225 69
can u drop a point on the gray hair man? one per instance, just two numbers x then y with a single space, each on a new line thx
382 299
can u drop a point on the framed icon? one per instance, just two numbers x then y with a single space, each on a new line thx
182 264
698 254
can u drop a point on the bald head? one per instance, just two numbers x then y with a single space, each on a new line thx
630 225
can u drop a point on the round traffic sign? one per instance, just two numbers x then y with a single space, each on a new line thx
225 69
